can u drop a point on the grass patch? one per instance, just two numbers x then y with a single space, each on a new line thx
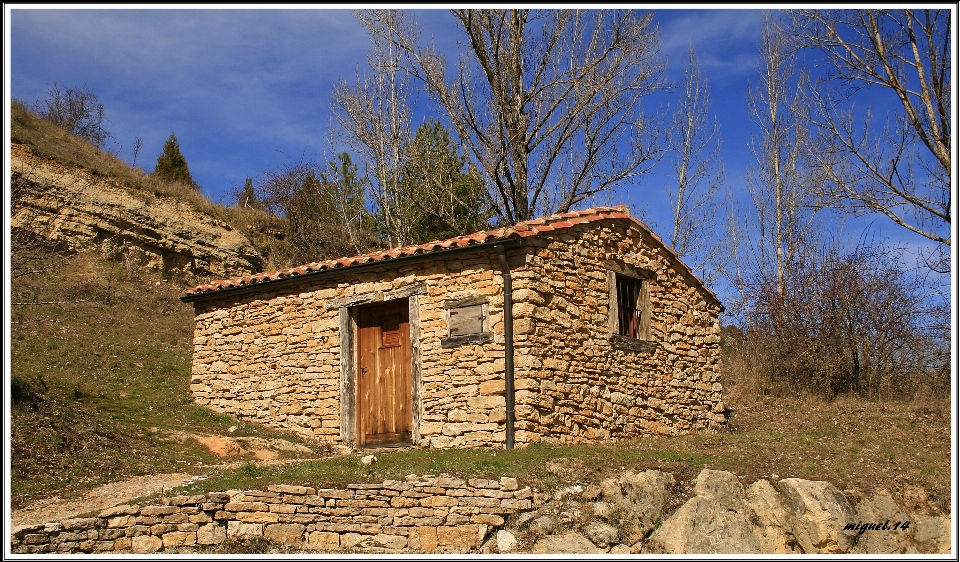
545 466
100 380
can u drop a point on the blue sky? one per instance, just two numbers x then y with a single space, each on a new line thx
247 89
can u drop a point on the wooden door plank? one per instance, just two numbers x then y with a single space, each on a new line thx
384 356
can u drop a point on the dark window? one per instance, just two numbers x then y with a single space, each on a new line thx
630 306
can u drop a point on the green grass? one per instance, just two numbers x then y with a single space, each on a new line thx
547 466
101 380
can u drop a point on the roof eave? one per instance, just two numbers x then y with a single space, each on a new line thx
330 272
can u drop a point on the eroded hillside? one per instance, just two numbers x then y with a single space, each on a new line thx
82 210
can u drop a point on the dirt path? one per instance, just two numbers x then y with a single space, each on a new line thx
108 495
265 451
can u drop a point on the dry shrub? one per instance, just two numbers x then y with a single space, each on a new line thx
845 322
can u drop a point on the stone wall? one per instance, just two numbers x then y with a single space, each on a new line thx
422 514
273 356
573 382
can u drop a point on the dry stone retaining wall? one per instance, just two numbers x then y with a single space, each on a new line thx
424 514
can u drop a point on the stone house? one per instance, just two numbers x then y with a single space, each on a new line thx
606 334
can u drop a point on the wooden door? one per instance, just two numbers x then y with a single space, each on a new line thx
384 387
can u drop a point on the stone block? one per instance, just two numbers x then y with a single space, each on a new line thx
323 541
211 534
246 506
439 501
83 523
496 386
122 545
145 544
424 539
459 538
293 490
122 521
179 538
351 540
285 533
110 534
486 402
161 528
257 517
200 518
244 531
35 538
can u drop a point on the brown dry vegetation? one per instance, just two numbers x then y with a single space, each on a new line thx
49 142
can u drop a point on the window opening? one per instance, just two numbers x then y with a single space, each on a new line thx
630 306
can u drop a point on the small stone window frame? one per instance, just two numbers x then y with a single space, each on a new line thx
476 305
629 294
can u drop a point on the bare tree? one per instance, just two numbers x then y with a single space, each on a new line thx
693 143
549 103
75 110
850 321
780 183
902 172
376 114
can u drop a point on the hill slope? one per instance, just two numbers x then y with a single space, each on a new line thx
100 342
66 190
100 356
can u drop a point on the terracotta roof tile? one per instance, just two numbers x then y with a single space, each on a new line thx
522 230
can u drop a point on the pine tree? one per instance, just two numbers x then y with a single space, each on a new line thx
441 195
172 166
247 198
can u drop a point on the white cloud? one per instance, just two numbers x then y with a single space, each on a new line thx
724 39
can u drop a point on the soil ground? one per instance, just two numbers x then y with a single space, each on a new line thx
132 489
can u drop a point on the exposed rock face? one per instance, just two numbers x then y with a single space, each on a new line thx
821 512
794 517
716 521
72 206
638 500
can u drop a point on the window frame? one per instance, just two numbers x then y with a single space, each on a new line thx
641 340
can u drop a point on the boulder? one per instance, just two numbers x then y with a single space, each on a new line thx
506 541
821 511
567 543
543 525
772 520
601 534
716 521
640 499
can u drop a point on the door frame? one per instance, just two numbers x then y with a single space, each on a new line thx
349 363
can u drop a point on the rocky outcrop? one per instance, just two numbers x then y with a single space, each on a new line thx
80 210
715 521
794 516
